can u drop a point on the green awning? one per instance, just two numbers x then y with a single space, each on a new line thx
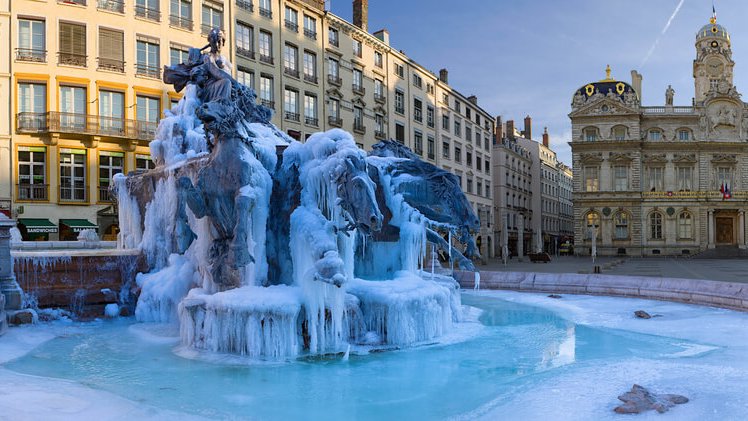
78 225
38 225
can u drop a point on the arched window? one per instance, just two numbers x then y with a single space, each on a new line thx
684 134
619 133
621 222
654 134
591 134
685 225
592 221
655 226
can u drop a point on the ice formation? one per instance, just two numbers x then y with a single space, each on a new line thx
262 246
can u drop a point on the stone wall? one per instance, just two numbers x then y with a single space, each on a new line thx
693 291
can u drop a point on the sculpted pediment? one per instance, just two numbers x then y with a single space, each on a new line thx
591 158
335 93
724 159
684 158
380 110
359 102
655 158
620 157
603 106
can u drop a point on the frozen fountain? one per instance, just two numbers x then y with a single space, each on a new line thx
262 246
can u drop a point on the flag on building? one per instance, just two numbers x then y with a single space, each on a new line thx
722 189
726 194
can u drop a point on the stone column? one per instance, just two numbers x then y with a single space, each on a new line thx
8 285
741 229
710 228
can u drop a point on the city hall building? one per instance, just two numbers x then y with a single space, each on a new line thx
663 180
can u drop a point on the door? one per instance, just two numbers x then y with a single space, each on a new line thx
724 230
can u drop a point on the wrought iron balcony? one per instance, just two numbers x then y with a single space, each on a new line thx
335 121
267 13
147 13
181 22
292 116
71 59
291 72
268 103
104 194
73 193
117 6
84 124
148 71
292 25
311 121
266 59
31 54
310 78
111 64
310 34
246 5
380 134
32 192
78 2
380 98
243 52
334 80
358 89
358 126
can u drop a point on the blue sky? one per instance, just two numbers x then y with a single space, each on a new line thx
525 57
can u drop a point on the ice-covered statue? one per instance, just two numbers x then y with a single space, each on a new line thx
260 245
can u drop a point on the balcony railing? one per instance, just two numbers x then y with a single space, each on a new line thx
359 127
311 121
310 78
71 59
88 124
245 53
74 193
31 54
334 80
78 2
111 64
379 98
267 13
181 22
310 34
148 71
147 13
358 89
292 25
292 116
266 59
246 5
111 5
291 72
104 194
26 191
335 121
268 103
380 134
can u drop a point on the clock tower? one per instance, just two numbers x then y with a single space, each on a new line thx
713 67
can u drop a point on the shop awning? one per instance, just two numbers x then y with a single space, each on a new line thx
38 225
78 225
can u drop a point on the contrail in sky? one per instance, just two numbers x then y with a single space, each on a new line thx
667 25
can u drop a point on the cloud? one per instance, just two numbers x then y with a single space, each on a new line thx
667 25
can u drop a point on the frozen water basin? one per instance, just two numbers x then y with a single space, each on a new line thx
524 356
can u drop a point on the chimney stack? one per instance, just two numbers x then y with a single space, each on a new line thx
510 129
636 83
444 76
499 130
361 14
528 127
473 99
546 140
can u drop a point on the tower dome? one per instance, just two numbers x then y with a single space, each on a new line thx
713 30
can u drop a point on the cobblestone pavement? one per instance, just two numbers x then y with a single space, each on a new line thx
730 270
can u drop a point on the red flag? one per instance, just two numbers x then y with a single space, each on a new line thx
722 188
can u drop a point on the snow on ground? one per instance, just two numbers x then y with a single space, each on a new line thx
712 374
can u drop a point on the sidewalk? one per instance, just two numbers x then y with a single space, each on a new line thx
729 270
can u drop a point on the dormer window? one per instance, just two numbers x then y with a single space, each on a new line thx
655 134
619 133
684 134
590 134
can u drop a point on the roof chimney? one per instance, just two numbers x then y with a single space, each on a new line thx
636 83
528 127
546 141
510 129
473 99
361 14
444 76
499 130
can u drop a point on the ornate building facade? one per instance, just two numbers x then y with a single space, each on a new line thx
663 180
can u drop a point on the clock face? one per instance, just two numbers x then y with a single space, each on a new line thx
714 66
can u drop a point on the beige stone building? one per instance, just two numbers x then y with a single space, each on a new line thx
667 179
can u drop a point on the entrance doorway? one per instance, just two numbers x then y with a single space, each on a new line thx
724 230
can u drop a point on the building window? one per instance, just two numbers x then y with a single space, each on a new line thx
378 59
148 9
445 122
399 102
445 149
591 179
310 110
469 135
245 40
400 70
379 126
358 119
685 225
684 178
358 81
246 77
32 41
655 178
655 226
619 133
73 107
144 162
292 19
621 222
212 17
334 109
724 177
266 91
487 166
357 48
110 163
593 222
148 59
417 80
310 67
310 27
147 113
469 159
458 128
430 146
32 173
333 69
621 178
655 134
418 142
458 154
458 106
590 134
417 110
73 174
111 112
430 88
478 187
488 190
470 185
181 14
72 44
478 163
177 55
400 133
291 104
334 37
266 47
684 135
378 89
430 116
266 8
290 57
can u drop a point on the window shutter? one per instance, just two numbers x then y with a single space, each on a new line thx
72 38
111 44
